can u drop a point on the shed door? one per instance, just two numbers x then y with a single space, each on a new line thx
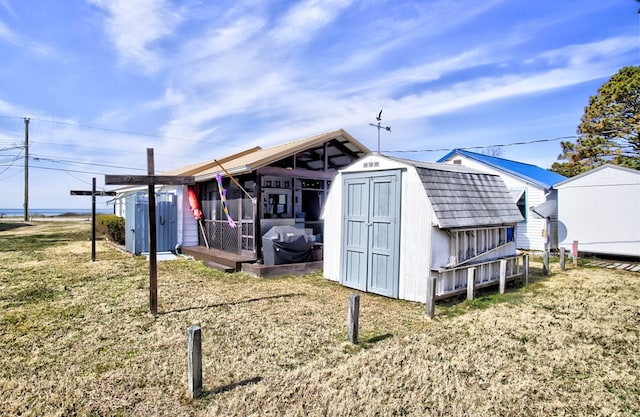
371 231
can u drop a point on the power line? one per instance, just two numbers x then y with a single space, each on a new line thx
506 144
56 169
69 162
127 132
488 146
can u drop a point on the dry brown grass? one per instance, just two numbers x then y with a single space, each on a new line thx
76 338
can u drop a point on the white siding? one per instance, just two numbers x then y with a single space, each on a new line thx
332 216
529 234
187 224
601 210
415 238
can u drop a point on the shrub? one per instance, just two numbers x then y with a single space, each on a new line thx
112 226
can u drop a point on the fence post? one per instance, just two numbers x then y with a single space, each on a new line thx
562 266
525 269
353 316
503 275
574 250
471 283
430 305
194 361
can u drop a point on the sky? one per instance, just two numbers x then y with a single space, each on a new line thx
103 80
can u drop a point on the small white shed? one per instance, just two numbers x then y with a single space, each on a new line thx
601 210
390 224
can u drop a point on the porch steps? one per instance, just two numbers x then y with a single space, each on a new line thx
217 259
219 267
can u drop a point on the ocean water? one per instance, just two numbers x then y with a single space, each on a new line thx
54 212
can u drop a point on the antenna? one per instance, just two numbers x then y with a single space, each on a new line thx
379 126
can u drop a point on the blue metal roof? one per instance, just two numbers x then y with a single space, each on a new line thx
530 173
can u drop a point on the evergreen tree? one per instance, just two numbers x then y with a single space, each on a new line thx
609 128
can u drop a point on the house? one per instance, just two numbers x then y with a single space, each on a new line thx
284 185
530 187
600 209
394 223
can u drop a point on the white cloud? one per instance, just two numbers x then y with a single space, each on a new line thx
219 40
7 34
304 19
133 26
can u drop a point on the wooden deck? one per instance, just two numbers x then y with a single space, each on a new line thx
625 266
217 259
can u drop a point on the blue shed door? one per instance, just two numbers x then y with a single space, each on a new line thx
137 222
371 232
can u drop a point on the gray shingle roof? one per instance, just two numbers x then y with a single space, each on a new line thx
463 197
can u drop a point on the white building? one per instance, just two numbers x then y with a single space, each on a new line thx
529 185
601 210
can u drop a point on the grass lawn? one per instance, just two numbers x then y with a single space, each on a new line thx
77 338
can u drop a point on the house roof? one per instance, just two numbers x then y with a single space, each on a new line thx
593 171
463 197
339 143
527 172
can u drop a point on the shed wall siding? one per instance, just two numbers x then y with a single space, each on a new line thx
415 238
332 216
600 211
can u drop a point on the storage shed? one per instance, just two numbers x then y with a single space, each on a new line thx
393 223
530 186
601 210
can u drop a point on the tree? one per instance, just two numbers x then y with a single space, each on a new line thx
495 151
608 129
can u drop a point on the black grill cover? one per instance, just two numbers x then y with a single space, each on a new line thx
287 245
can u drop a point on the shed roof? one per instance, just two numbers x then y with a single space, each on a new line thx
527 172
463 197
596 170
339 143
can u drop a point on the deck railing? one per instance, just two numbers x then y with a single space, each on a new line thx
454 281
219 235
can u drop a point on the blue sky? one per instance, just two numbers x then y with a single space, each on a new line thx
103 80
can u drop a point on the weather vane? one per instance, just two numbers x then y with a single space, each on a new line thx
379 126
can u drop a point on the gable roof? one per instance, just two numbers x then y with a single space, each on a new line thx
527 172
464 197
595 170
251 159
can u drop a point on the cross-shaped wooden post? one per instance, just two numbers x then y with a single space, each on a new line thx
151 181
93 193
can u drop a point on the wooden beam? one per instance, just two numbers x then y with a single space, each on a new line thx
93 193
149 180
297 173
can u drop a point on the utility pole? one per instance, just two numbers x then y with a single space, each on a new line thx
26 169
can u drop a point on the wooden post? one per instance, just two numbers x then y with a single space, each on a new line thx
153 260
525 269
93 193
574 251
503 275
562 266
430 305
471 283
194 361
545 262
353 317
151 181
